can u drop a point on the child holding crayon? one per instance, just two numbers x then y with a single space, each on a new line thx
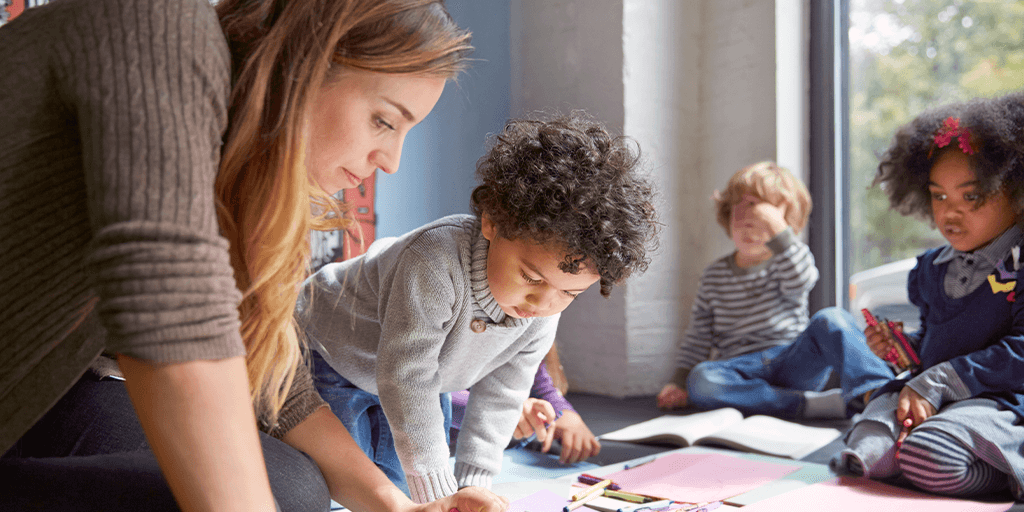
955 425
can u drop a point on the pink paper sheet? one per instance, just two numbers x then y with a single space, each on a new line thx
861 494
540 501
699 477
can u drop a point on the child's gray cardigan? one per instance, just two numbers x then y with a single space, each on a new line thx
398 322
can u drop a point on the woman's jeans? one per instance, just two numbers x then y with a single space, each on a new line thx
89 453
361 413
773 381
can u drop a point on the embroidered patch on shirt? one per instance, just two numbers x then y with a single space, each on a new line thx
1003 280
1003 273
998 287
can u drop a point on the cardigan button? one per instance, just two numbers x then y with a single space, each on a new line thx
478 326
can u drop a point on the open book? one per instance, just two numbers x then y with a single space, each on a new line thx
727 427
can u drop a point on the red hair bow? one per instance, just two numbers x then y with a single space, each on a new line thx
951 128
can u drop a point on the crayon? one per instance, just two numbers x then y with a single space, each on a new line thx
593 489
577 503
591 480
646 506
907 423
641 463
627 496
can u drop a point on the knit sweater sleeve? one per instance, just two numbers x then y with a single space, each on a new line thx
413 332
147 82
544 389
792 265
495 405
302 400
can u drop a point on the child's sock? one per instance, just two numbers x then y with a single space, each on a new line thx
824 404
870 451
847 462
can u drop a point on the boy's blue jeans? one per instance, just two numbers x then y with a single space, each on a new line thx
772 381
361 413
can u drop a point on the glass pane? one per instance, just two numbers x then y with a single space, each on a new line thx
904 57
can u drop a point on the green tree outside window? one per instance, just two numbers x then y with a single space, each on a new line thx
906 56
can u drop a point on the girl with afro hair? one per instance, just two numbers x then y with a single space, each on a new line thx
954 424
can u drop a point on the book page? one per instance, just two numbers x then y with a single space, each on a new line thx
772 436
679 430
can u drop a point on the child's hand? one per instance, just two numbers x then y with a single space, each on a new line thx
578 442
879 340
468 499
913 405
538 417
771 217
672 397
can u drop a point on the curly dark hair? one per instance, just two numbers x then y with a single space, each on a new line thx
566 182
996 126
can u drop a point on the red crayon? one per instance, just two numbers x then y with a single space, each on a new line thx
907 423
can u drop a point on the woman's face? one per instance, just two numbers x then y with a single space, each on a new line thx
359 121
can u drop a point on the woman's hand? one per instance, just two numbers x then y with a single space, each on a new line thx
672 397
913 405
468 499
538 417
578 442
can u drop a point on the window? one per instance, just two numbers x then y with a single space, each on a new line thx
896 58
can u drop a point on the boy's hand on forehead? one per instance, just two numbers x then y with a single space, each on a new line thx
765 215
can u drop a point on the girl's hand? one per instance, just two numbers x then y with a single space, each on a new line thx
913 405
672 397
468 499
878 340
538 417
578 442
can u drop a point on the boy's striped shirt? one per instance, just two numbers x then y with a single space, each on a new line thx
741 310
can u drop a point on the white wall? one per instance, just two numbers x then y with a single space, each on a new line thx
792 85
663 66
694 83
565 55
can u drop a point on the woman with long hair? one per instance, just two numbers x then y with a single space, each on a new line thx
161 165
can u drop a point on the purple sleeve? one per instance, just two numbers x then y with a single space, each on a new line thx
544 388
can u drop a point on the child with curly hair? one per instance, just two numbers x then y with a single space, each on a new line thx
955 425
473 301
750 344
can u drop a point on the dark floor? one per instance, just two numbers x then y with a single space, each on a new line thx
605 414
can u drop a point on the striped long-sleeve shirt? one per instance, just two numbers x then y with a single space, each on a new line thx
741 310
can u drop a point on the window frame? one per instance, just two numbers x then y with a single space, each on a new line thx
829 141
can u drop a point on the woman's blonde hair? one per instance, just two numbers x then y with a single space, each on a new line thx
283 52
768 182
